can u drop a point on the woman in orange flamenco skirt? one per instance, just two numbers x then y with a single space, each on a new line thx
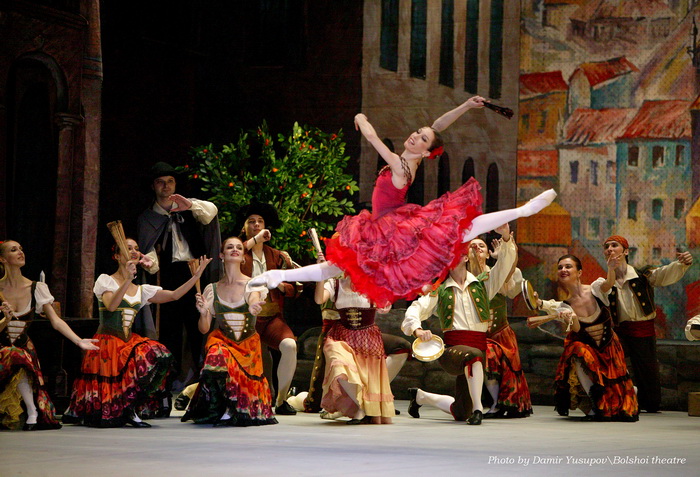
398 249
232 389
592 374
128 370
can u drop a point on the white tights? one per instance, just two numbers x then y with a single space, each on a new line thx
286 368
394 363
351 391
493 388
27 393
443 401
481 224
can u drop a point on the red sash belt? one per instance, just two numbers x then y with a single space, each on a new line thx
637 329
475 339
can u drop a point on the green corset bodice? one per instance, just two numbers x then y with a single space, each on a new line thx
236 323
119 322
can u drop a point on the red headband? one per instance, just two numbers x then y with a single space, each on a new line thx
619 239
437 152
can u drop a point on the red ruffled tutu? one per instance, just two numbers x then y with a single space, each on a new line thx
393 252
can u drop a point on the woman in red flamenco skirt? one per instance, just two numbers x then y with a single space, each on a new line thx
397 249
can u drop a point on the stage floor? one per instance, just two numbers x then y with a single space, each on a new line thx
305 445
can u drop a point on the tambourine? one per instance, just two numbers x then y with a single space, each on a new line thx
529 295
430 350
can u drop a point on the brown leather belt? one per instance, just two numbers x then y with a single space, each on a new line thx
357 318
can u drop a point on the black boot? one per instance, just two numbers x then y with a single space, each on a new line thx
413 406
475 418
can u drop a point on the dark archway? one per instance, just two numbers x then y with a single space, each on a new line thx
443 174
492 182
468 170
34 98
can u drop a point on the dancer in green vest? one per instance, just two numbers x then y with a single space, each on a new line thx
462 305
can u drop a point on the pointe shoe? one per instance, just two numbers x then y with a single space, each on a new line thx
330 416
41 426
138 424
475 418
364 420
285 409
413 406
230 422
499 414
270 279
536 204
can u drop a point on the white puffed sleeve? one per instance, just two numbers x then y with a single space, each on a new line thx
104 284
42 295
596 291
251 289
147 292
208 295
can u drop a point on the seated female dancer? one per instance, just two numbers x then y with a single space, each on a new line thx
592 374
21 381
232 389
356 381
129 370
397 249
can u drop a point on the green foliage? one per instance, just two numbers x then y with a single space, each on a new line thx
302 176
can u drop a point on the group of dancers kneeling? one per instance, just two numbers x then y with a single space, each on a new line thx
396 251
123 376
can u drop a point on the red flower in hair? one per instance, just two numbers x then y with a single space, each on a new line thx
437 152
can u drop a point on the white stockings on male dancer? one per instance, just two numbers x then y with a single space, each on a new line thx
481 224
444 402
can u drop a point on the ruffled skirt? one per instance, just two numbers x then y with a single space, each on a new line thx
356 356
612 395
232 380
503 364
16 362
393 256
119 377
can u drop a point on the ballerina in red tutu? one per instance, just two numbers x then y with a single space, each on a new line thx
397 249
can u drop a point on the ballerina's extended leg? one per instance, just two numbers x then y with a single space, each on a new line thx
481 224
311 273
488 222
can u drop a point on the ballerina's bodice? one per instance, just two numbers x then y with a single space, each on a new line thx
385 196
233 319
119 322
15 333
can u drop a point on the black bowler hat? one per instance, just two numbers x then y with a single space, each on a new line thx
161 169
266 211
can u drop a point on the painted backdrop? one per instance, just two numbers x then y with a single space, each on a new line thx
607 114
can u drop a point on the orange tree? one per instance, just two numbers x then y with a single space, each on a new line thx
302 175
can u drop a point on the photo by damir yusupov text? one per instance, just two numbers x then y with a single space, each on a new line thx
586 461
